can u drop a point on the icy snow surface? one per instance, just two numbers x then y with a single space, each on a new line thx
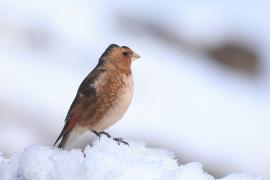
104 160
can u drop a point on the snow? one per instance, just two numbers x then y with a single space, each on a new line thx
105 159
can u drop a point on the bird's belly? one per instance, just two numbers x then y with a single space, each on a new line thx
117 109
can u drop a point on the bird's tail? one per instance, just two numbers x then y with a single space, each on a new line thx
67 138
63 141
63 137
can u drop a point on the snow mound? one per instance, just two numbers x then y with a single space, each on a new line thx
104 160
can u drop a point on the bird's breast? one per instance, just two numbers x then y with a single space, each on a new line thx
115 96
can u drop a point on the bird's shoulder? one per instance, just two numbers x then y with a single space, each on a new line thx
86 89
89 84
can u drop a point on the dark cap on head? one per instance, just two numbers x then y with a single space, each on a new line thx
112 46
108 50
125 47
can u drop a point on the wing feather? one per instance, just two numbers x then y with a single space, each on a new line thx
86 90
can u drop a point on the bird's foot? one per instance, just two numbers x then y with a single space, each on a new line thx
120 140
105 133
100 133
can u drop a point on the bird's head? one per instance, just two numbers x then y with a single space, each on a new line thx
120 57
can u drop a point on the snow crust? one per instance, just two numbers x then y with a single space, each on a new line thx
105 159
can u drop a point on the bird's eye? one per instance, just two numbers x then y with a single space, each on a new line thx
125 53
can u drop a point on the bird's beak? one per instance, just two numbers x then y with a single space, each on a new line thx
135 56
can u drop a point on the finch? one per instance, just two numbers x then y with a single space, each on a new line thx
103 96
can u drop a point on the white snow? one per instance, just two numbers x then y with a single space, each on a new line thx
104 160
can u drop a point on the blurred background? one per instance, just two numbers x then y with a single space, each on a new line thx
202 85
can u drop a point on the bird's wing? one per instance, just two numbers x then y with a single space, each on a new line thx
86 90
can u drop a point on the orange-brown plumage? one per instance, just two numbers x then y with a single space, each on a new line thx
104 95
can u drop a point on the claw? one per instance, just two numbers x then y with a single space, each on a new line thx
120 140
98 134
105 133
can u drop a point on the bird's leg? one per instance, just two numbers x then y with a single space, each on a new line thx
105 133
100 133
96 133
120 140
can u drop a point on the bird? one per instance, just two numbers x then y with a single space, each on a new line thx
102 98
